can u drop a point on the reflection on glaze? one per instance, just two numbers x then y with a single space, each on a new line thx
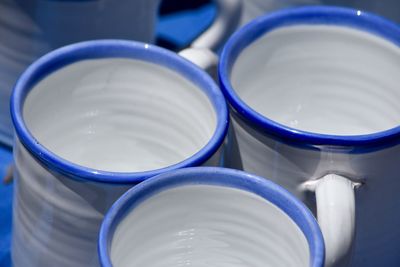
31 28
119 115
204 225
323 79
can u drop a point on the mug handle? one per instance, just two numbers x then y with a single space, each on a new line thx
200 50
202 57
226 21
335 199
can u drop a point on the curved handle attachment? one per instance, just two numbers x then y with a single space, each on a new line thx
200 51
228 17
336 216
202 57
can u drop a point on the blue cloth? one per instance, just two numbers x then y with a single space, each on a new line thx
182 27
5 208
178 28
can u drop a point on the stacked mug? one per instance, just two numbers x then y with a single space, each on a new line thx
313 122
94 118
313 94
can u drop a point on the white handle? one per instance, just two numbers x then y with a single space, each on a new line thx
228 17
336 217
200 51
202 57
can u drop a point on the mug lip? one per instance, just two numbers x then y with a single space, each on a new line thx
112 48
310 15
214 176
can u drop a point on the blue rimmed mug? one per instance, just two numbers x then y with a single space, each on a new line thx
314 98
208 216
254 8
93 119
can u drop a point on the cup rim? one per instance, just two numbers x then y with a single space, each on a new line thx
217 176
111 48
310 15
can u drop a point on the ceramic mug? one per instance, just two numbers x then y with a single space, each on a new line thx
313 93
388 8
208 216
254 8
32 28
93 119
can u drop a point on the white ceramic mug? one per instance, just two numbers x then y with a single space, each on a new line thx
31 28
93 119
254 8
209 217
314 95
388 8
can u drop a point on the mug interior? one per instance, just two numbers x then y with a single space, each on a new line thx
119 114
321 78
208 225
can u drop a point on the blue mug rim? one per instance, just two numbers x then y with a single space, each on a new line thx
310 15
216 176
112 48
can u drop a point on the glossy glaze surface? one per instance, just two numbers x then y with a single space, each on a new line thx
68 106
377 236
254 8
55 219
321 79
209 217
120 115
31 28
302 157
207 225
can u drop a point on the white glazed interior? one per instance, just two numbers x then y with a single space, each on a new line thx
323 79
204 225
119 114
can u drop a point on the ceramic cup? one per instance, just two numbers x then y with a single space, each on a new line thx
254 8
93 119
314 95
388 8
209 217
32 28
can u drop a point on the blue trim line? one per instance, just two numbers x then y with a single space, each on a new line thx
266 189
114 49
305 16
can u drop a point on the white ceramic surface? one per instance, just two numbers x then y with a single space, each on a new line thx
319 84
55 218
103 124
208 226
209 217
32 28
348 77
377 236
388 8
119 115
255 8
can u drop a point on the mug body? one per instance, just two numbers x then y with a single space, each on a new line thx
209 217
255 8
386 8
31 28
313 91
93 119
295 167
